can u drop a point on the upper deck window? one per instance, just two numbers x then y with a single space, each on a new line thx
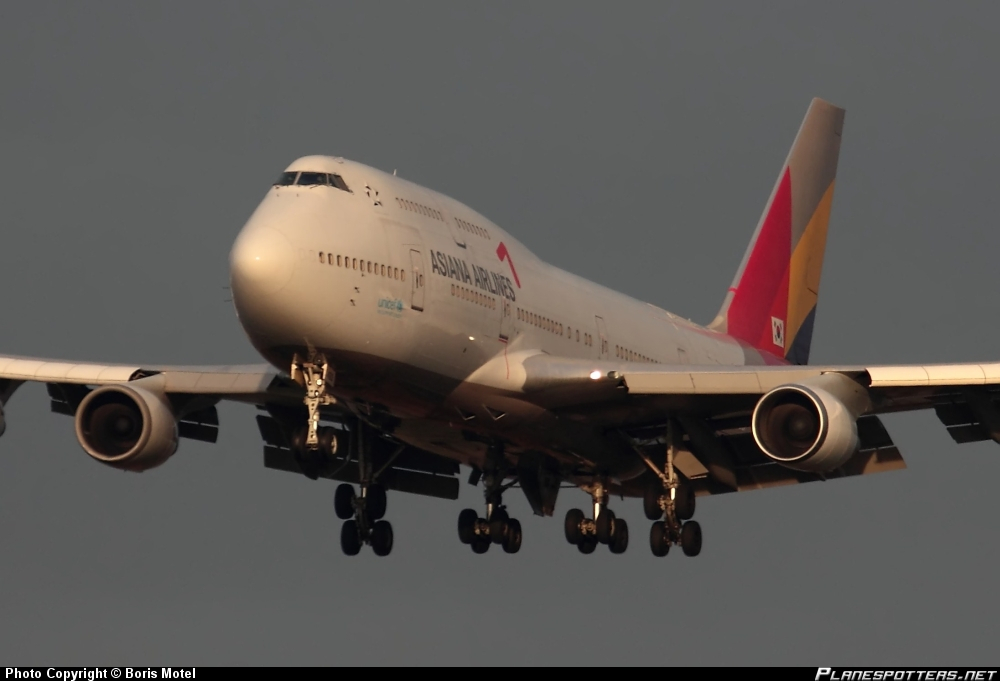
311 179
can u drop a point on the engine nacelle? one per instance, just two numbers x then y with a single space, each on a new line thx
811 426
126 427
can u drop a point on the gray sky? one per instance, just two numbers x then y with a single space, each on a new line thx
634 144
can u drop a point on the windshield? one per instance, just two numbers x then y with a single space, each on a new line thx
287 178
308 178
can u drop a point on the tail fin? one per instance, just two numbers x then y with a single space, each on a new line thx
771 304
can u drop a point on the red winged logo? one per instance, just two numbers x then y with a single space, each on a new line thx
503 254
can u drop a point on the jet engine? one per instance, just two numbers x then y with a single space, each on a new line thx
127 427
811 426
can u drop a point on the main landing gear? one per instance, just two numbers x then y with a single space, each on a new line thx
585 533
363 513
671 506
497 527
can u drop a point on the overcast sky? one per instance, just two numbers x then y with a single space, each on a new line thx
633 144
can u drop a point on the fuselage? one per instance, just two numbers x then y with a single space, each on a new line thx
424 308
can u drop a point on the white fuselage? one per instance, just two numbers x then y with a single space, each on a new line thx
424 308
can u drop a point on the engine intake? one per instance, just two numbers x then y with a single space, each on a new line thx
811 426
126 427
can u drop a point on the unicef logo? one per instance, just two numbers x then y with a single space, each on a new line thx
390 306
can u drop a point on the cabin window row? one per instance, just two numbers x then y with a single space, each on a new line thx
553 327
415 207
632 356
473 296
541 322
471 228
373 268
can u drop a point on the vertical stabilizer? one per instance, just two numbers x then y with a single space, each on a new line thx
771 304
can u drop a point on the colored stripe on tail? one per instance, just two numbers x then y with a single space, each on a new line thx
771 304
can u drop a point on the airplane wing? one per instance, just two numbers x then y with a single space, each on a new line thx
715 408
192 393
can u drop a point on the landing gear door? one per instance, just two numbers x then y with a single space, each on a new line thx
602 336
417 286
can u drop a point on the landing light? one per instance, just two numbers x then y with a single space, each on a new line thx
471 338
595 374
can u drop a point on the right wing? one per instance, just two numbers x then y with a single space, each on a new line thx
714 406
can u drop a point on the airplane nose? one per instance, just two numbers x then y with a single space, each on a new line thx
262 261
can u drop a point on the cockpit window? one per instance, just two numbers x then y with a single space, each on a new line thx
311 179
306 178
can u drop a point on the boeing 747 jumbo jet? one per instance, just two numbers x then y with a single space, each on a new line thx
406 334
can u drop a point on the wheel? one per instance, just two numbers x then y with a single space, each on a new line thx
350 542
658 542
467 526
606 526
343 501
587 545
620 541
512 541
498 525
481 544
651 502
382 538
684 502
328 442
691 538
574 517
375 502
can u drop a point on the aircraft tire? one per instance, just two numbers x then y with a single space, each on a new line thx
481 544
512 539
658 539
382 538
651 502
350 543
343 501
587 545
467 526
498 525
606 526
691 538
574 517
684 502
620 541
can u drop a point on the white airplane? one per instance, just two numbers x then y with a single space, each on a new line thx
407 334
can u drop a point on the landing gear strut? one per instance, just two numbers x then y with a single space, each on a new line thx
585 533
497 527
671 505
362 513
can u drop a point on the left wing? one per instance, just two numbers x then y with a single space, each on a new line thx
164 403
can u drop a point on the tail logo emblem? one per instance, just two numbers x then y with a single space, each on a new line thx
778 332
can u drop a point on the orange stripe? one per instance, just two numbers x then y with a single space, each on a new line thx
807 266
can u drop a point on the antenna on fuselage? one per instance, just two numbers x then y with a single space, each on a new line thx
394 172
